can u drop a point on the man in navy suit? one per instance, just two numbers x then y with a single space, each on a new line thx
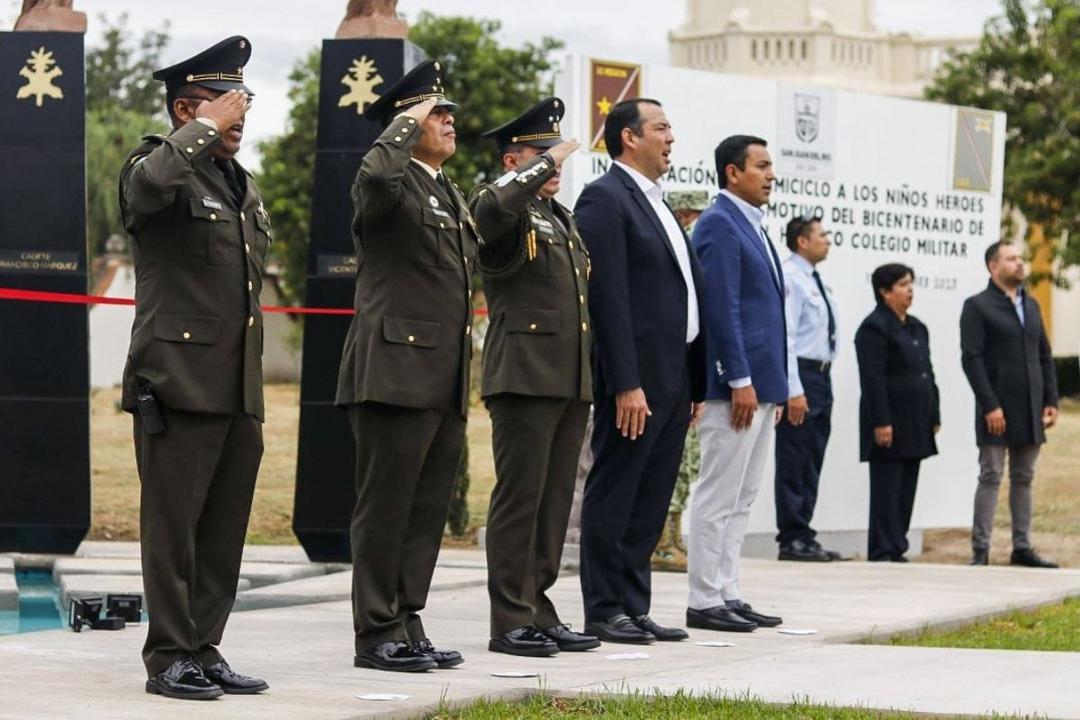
644 297
747 381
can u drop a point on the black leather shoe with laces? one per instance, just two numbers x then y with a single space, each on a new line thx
395 656
526 641
443 658
570 641
183 680
233 683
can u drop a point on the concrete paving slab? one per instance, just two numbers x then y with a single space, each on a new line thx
305 652
257 573
80 586
252 553
336 587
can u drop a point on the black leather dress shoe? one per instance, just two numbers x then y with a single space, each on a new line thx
746 612
443 658
620 629
233 683
802 551
718 618
833 555
660 632
395 656
526 641
184 680
1030 558
570 641
980 557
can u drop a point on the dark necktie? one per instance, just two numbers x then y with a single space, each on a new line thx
828 306
555 214
228 170
445 185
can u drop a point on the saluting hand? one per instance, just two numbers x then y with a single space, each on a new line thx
226 109
420 111
563 150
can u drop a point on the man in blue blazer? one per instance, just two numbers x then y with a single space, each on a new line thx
644 298
747 381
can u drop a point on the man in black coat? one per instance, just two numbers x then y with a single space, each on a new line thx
644 297
1007 360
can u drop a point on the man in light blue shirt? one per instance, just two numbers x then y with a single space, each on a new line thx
803 433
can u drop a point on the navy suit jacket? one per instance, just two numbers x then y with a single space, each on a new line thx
637 295
744 305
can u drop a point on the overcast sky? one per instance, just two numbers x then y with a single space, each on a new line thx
281 31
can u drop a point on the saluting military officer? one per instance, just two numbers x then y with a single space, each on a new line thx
405 367
194 371
537 381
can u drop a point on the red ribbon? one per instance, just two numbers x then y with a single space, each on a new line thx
75 299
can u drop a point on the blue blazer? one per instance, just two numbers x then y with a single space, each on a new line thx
744 303
637 295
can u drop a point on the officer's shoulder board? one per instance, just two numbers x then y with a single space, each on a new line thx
149 144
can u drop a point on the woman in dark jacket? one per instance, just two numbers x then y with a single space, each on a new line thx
899 412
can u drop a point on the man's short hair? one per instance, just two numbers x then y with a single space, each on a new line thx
799 227
172 95
993 251
885 276
625 114
512 148
733 151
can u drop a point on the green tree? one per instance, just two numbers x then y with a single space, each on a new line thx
1027 65
123 103
288 171
491 83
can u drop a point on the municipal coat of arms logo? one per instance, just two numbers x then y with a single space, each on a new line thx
807 117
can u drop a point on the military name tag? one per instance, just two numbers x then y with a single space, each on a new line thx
211 204
38 262
337 266
441 213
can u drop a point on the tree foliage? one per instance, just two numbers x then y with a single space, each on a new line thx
491 84
1027 65
123 103
288 171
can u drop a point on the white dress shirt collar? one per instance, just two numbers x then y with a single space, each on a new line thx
647 186
755 215
430 170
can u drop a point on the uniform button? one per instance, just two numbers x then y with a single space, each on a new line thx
584 327
412 121
551 241
201 141
924 374
571 243
532 326
442 225
212 133
213 216
581 299
243 217
187 336
397 139
412 338
190 150
577 272
247 248
468 330
404 130
251 321
251 286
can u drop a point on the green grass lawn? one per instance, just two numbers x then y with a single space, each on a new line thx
657 708
1053 628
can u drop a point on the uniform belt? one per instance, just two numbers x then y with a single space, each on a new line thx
821 366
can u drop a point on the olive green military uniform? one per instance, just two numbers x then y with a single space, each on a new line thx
405 378
537 384
196 344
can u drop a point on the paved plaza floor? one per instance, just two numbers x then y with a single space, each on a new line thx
298 635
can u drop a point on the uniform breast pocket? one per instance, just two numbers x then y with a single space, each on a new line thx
264 235
438 244
532 321
551 246
215 235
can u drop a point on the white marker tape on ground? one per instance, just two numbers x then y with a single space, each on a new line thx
514 674
714 643
794 631
629 656
383 697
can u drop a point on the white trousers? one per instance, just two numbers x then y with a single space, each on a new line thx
733 465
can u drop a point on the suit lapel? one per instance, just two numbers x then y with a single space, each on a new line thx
756 240
647 208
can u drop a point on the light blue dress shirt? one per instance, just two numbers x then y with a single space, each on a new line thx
807 319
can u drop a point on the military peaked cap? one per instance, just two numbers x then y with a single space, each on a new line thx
220 67
538 126
423 82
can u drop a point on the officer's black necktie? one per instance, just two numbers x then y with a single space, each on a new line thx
828 306
228 170
445 185
559 220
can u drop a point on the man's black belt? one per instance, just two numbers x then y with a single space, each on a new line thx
821 366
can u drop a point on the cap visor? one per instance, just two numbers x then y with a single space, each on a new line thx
448 104
545 143
226 86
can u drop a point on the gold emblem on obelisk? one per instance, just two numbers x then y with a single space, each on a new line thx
40 72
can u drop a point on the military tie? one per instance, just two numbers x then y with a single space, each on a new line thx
828 307
232 179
